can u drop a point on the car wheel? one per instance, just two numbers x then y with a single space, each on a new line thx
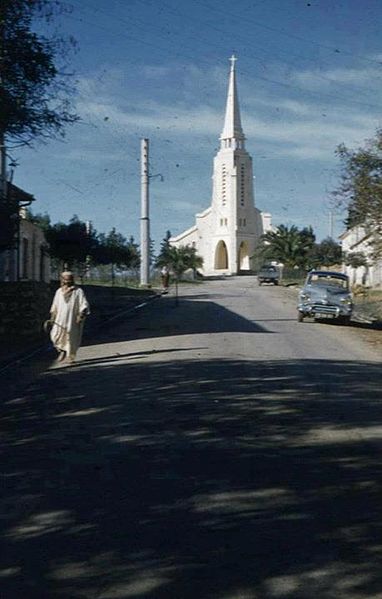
345 320
260 283
276 282
300 316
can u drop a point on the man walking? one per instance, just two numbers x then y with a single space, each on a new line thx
68 312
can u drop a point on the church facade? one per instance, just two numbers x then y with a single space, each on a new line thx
226 233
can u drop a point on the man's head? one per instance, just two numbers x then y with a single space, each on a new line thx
67 278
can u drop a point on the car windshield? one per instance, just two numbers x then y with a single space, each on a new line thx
328 280
271 268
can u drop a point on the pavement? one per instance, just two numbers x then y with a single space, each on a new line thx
216 449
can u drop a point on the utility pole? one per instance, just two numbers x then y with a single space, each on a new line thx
145 220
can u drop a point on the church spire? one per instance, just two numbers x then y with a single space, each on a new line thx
232 130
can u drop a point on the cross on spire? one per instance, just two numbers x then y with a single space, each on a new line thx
232 129
233 59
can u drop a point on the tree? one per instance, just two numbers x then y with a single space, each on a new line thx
71 244
42 220
34 89
113 249
135 257
360 188
326 253
355 259
163 256
178 260
287 245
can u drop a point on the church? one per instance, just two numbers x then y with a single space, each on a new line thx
226 233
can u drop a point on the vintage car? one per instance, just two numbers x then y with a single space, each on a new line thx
268 274
325 295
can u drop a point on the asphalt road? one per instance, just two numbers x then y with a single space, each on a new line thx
218 449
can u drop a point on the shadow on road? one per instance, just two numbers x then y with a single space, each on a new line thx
185 479
189 318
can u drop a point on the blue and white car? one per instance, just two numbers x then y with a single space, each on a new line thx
325 294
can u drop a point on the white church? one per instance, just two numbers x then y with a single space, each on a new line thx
226 233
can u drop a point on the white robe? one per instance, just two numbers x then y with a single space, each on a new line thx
66 332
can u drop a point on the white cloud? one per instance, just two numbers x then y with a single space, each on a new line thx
357 80
301 129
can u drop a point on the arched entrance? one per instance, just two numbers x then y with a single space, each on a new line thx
221 256
243 256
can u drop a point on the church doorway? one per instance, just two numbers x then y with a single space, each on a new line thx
244 256
221 256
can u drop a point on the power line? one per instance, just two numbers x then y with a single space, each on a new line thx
293 36
238 38
243 71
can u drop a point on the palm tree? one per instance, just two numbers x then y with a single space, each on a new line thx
178 260
288 245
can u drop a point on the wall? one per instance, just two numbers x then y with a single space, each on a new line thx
23 307
355 240
34 261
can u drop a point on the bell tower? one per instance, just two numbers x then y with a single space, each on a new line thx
236 223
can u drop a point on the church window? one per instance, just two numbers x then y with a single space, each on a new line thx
242 184
224 182
221 222
226 221
244 222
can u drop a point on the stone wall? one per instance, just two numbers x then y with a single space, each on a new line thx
23 307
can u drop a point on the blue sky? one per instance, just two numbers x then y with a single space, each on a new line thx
309 78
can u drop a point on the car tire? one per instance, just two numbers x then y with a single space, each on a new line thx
300 316
276 282
260 282
345 320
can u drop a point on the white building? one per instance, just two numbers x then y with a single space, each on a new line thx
29 259
357 241
226 233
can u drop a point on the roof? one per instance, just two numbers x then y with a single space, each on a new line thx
329 273
16 194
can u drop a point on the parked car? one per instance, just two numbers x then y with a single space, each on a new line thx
325 294
268 274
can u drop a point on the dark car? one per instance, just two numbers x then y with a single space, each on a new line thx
325 294
268 274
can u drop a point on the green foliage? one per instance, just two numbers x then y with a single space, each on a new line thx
181 259
34 89
178 260
326 253
41 220
135 257
72 243
287 245
360 188
355 259
112 249
164 256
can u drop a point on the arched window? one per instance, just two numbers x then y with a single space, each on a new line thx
244 263
221 256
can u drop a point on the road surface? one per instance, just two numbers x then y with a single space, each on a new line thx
214 450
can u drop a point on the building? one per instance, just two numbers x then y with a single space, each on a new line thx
28 259
356 241
226 233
